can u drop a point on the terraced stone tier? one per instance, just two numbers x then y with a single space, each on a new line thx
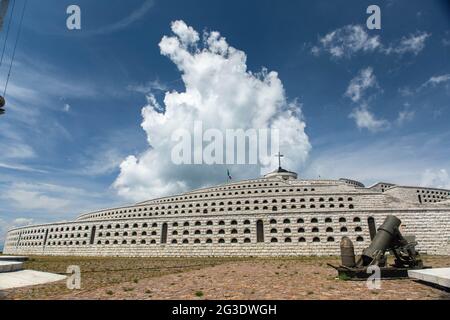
13 258
25 278
9 266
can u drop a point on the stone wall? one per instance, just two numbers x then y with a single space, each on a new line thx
418 195
231 234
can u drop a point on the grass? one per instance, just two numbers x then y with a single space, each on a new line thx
127 289
344 277
199 294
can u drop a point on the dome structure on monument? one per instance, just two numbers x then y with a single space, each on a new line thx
282 174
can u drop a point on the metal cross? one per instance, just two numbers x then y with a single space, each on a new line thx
279 155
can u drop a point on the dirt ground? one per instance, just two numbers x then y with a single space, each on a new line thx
217 278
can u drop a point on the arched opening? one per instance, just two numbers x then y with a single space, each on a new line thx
45 237
92 235
372 227
164 233
259 231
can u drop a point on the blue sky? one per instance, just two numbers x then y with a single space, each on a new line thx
375 103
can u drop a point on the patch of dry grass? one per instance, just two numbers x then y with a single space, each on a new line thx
98 272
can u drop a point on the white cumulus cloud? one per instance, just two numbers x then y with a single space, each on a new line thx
222 94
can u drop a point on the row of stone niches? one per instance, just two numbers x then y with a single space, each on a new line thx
56 232
235 207
174 224
195 241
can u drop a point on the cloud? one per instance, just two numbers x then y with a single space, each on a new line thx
358 85
414 44
17 150
436 80
33 197
48 201
134 16
36 93
222 94
51 198
187 35
106 161
346 41
349 40
148 87
446 39
432 82
438 178
23 221
365 119
405 91
405 116
400 159
357 91
20 167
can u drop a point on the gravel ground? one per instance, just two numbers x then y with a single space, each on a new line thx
281 278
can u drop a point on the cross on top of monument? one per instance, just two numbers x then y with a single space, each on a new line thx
279 155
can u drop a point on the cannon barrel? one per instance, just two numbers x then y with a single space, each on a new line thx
383 239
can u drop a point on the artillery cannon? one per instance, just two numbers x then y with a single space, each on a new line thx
388 238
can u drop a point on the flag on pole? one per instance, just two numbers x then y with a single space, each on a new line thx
229 175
